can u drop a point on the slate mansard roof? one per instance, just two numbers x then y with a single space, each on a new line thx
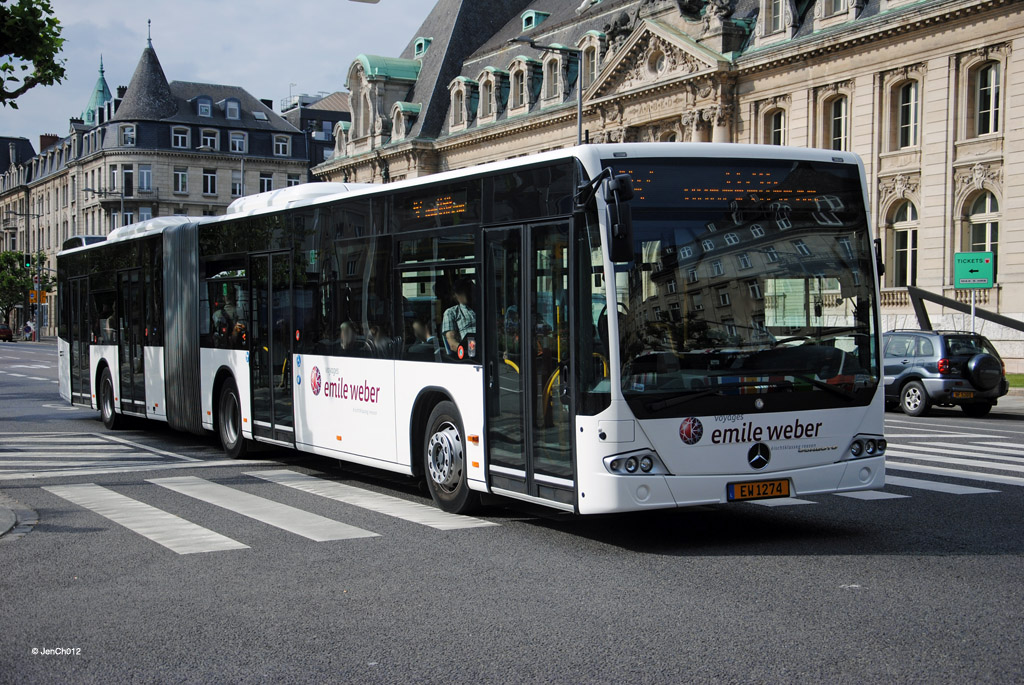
150 97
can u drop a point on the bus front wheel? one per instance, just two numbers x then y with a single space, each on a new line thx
111 419
444 454
229 421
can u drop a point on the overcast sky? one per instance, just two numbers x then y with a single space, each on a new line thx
260 45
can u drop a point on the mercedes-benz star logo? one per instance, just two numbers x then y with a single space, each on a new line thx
759 456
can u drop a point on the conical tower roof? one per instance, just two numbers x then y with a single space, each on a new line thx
100 96
148 96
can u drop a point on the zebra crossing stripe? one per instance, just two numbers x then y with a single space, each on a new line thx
382 504
304 523
781 502
163 528
991 454
871 494
996 466
935 486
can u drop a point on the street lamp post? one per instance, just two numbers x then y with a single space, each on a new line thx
39 265
571 52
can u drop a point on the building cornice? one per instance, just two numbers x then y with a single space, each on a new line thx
843 37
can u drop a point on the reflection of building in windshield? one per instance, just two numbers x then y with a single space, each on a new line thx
748 276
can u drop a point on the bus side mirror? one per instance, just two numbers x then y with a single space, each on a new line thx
618 193
878 257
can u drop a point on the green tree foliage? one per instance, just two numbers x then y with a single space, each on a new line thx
16 279
29 44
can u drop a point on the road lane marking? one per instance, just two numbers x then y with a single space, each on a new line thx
871 495
929 436
781 502
937 486
163 528
304 523
956 473
997 466
382 504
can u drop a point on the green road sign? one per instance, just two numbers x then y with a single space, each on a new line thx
973 269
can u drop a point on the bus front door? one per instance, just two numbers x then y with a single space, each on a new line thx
528 360
270 347
130 341
78 326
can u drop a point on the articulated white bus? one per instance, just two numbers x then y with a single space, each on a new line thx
598 329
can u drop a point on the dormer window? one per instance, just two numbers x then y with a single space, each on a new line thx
420 47
532 19
204 107
551 80
526 74
232 109
463 102
282 146
128 136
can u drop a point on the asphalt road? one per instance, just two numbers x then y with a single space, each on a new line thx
920 582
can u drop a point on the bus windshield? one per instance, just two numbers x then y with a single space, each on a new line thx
749 278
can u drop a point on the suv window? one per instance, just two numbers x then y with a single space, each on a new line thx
969 345
925 348
900 346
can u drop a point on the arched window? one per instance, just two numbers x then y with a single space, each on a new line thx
984 228
589 66
458 108
518 89
986 99
907 114
486 98
904 245
838 123
364 116
551 79
775 127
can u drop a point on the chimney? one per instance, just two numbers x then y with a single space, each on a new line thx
268 103
47 139
121 90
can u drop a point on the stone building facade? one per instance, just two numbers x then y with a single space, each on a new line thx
156 148
922 90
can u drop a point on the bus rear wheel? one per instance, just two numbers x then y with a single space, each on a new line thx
111 419
444 461
229 421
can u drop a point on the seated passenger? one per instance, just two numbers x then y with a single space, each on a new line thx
459 323
425 343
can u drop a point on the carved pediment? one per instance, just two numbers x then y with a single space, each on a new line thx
652 55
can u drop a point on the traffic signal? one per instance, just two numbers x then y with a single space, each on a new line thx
28 261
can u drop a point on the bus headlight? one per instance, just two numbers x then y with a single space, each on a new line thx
867 446
644 463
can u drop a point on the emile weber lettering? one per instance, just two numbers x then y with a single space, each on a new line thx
357 392
748 432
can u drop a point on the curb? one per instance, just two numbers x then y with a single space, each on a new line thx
16 519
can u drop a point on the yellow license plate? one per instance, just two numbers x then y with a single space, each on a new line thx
962 394
762 489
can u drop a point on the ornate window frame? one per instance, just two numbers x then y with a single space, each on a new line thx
893 193
969 67
523 94
594 46
893 83
826 98
493 93
462 108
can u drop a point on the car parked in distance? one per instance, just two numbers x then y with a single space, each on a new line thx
6 333
942 368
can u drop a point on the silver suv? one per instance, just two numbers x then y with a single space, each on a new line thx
942 368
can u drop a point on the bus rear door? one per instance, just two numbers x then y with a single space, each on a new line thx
270 280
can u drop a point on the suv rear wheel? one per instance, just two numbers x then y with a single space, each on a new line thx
914 399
